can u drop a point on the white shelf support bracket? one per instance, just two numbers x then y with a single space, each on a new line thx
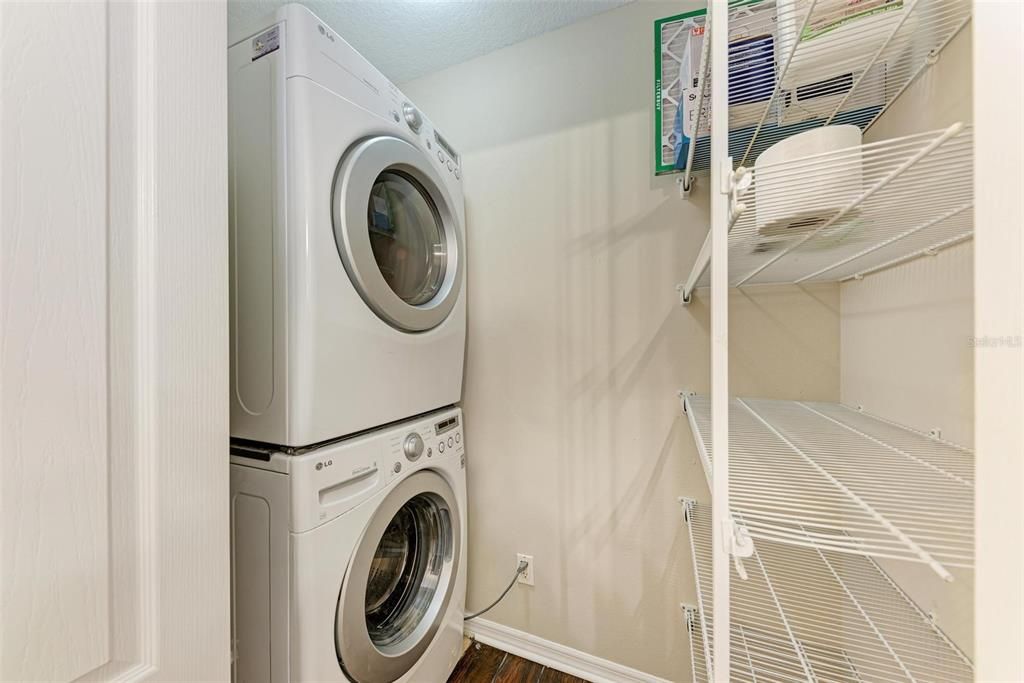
685 187
687 504
689 614
739 545
684 297
683 394
728 183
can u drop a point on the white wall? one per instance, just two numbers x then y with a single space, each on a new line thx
906 332
906 351
577 343
999 388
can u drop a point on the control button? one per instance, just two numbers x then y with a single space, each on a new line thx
394 115
398 467
440 447
450 442
458 437
440 156
413 446
430 452
451 166
412 117
457 174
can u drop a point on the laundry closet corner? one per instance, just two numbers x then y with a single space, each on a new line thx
577 345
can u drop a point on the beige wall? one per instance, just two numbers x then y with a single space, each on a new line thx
906 332
577 343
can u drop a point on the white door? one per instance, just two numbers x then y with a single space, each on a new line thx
113 342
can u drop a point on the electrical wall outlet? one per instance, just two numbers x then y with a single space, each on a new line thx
527 576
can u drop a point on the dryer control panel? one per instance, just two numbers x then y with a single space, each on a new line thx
311 49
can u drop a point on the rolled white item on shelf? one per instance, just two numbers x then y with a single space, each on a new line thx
841 37
806 179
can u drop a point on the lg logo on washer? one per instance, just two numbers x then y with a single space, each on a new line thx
323 463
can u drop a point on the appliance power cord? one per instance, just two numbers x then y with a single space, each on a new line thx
523 566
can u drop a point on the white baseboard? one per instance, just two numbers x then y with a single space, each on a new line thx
565 659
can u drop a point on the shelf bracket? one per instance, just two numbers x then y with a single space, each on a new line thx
683 394
739 544
685 187
688 505
689 614
684 298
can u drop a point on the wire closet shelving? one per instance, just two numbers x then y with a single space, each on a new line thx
813 614
811 496
826 476
887 202
795 65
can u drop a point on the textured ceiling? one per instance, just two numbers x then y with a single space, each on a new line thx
407 39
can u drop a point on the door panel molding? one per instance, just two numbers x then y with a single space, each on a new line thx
114 550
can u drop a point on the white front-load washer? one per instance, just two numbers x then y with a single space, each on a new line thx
349 560
346 242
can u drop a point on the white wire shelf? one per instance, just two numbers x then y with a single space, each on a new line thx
841 215
825 476
807 614
795 65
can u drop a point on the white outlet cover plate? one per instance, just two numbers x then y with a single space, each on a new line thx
527 576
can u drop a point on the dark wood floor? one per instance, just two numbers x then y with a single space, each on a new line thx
484 664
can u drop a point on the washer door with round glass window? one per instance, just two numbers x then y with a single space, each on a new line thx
399 580
398 233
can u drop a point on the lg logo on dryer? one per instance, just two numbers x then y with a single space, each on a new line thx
323 463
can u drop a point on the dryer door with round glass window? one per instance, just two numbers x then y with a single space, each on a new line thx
398 233
399 581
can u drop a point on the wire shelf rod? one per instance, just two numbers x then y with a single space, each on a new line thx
885 243
892 528
782 616
874 60
865 615
920 70
778 82
923 463
927 251
846 620
783 498
703 70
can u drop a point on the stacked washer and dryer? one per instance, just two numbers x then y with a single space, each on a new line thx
348 332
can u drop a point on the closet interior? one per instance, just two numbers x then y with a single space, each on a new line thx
817 508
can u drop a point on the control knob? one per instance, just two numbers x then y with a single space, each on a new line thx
413 446
412 117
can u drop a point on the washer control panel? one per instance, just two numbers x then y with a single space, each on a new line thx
422 443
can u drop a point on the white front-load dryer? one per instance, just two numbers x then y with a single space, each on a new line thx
346 242
349 560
